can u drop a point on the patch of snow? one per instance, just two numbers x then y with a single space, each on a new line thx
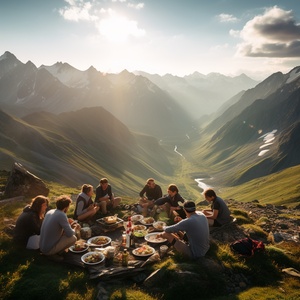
261 153
294 74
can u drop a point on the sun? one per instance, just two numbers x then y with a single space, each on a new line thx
118 28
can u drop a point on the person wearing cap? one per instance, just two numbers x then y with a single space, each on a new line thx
150 192
219 214
104 196
195 226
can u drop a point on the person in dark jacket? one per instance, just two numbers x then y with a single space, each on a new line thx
171 202
105 198
28 225
150 192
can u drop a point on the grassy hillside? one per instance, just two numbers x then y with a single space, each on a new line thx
27 274
282 188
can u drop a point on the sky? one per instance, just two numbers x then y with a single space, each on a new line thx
178 37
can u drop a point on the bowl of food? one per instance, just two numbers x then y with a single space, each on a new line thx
139 227
93 258
159 225
140 233
147 221
136 218
79 247
99 241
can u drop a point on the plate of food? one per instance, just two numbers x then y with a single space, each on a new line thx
159 225
99 241
154 238
143 251
92 258
139 227
136 218
147 221
79 247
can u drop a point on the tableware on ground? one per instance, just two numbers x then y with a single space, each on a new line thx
154 238
163 250
136 218
93 258
110 223
159 225
79 247
139 227
99 241
143 251
140 233
147 221
85 233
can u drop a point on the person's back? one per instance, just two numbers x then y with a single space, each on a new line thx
28 224
52 229
224 212
197 231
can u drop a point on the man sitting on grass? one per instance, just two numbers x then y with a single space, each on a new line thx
195 226
57 231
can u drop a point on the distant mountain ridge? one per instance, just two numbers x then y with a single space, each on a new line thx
274 104
82 146
74 126
201 94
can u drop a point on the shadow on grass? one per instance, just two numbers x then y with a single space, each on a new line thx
26 274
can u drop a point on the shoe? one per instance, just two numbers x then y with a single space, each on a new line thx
55 258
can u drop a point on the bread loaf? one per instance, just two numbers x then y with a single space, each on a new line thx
110 219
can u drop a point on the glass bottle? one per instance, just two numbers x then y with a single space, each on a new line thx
125 258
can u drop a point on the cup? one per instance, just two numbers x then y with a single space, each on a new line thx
163 250
110 256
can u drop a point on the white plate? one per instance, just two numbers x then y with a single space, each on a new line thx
151 238
78 251
97 254
139 227
137 253
137 218
90 241
146 221
159 225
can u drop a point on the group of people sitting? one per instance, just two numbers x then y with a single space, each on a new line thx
53 232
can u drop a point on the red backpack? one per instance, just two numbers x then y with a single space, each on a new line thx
247 246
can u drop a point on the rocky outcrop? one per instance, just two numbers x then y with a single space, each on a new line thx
23 183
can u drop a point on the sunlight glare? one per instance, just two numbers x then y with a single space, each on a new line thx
118 28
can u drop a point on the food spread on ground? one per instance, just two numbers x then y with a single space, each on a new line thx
99 240
144 250
140 233
110 219
139 227
147 221
154 238
159 225
92 258
80 246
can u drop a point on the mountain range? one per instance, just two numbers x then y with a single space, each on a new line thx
74 126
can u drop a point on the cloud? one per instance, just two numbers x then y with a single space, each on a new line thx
225 18
107 22
273 34
77 11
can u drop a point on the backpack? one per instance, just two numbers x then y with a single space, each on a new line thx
247 246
